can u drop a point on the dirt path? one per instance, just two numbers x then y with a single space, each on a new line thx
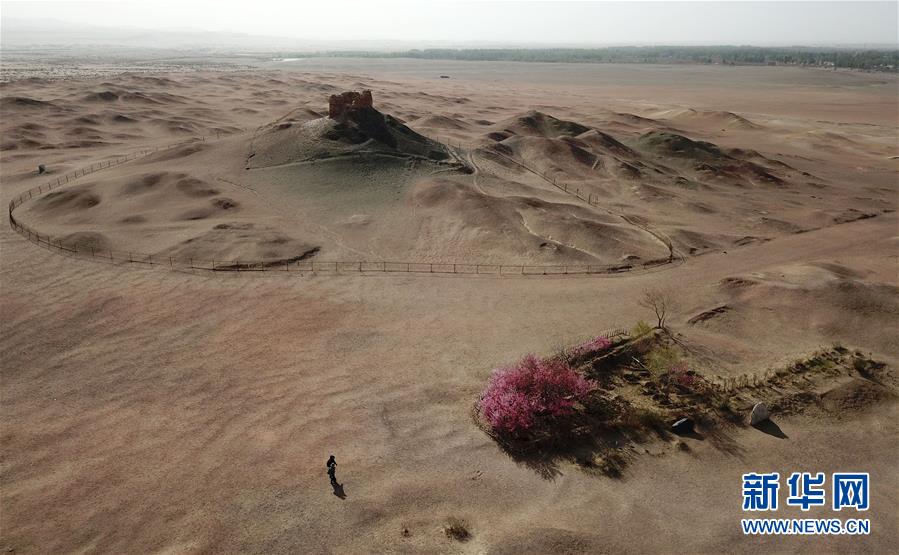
658 235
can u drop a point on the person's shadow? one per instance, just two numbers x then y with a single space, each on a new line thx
338 490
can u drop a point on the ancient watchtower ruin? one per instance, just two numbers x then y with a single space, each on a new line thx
340 104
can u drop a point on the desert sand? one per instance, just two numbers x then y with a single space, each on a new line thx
146 409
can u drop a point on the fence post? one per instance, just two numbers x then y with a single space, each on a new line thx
407 266
477 268
171 264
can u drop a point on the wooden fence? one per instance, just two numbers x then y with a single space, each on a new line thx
90 252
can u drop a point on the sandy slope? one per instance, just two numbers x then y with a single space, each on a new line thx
151 410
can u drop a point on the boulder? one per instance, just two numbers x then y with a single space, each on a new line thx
759 414
41 169
683 426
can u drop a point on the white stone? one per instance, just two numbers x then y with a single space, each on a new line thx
759 414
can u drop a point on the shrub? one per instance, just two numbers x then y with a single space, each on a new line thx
644 419
661 358
680 374
598 343
456 529
640 328
520 396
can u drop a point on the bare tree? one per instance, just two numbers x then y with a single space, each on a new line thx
660 301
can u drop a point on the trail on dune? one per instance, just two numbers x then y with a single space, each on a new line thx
661 237
477 171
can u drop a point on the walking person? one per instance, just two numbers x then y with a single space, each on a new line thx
332 470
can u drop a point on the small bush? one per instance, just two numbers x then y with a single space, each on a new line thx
645 419
661 358
456 529
640 328
680 375
519 396
595 345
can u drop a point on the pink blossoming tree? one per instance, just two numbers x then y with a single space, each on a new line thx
520 396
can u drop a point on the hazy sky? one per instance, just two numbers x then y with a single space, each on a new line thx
783 23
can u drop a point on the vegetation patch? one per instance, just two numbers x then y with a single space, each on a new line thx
456 529
595 403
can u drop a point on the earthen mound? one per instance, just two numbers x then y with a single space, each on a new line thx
672 144
538 124
359 130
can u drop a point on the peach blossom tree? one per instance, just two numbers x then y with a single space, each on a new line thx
533 391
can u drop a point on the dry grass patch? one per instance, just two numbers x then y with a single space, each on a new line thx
456 529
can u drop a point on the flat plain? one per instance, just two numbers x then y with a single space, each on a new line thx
146 409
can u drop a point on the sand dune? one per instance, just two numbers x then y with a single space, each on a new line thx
538 124
522 226
25 103
151 410
230 242
441 122
712 118
67 201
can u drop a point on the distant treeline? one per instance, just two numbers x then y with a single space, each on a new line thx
866 59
